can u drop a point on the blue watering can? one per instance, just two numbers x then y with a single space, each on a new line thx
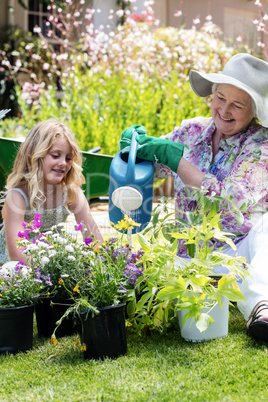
131 187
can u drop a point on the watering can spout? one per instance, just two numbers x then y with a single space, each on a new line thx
131 187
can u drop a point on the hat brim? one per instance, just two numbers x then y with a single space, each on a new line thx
202 83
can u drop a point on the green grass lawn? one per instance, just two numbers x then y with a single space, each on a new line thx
155 368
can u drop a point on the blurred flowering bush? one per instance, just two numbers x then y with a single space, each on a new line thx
112 76
261 24
21 285
135 47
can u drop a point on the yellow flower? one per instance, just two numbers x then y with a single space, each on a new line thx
126 223
83 348
122 225
128 324
60 281
76 289
54 340
97 249
130 221
77 342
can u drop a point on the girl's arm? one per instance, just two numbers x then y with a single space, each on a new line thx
13 215
82 213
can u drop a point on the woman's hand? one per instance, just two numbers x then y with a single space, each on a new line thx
151 148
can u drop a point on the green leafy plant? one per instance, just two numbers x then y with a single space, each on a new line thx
172 283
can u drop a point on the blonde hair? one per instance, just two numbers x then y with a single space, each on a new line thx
28 165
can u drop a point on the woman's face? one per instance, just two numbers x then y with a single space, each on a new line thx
231 110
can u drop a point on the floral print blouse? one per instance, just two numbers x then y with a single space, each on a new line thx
239 171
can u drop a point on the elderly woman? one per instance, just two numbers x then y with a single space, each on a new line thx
226 155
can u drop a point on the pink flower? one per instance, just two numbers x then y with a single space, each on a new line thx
46 66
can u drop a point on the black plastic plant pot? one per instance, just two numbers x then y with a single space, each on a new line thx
104 335
16 329
47 314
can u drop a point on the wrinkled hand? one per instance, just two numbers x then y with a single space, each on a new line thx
151 148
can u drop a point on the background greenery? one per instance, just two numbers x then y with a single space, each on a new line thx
98 110
99 83
156 368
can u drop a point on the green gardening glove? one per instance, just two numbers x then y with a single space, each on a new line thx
151 148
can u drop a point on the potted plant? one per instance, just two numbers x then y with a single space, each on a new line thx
108 281
20 289
59 253
189 288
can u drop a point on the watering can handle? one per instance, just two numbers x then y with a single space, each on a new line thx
130 175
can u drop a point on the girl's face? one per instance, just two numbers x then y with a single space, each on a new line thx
231 110
57 162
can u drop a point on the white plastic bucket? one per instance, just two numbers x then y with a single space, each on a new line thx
217 329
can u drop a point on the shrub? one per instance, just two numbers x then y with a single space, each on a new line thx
98 110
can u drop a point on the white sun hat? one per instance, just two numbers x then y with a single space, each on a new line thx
243 71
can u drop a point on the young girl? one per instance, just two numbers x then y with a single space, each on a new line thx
46 178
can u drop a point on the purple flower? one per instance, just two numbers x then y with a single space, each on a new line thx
111 241
79 226
37 273
88 240
37 280
37 217
20 264
23 235
24 224
36 224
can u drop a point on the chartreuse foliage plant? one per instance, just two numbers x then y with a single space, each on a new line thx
173 283
98 109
